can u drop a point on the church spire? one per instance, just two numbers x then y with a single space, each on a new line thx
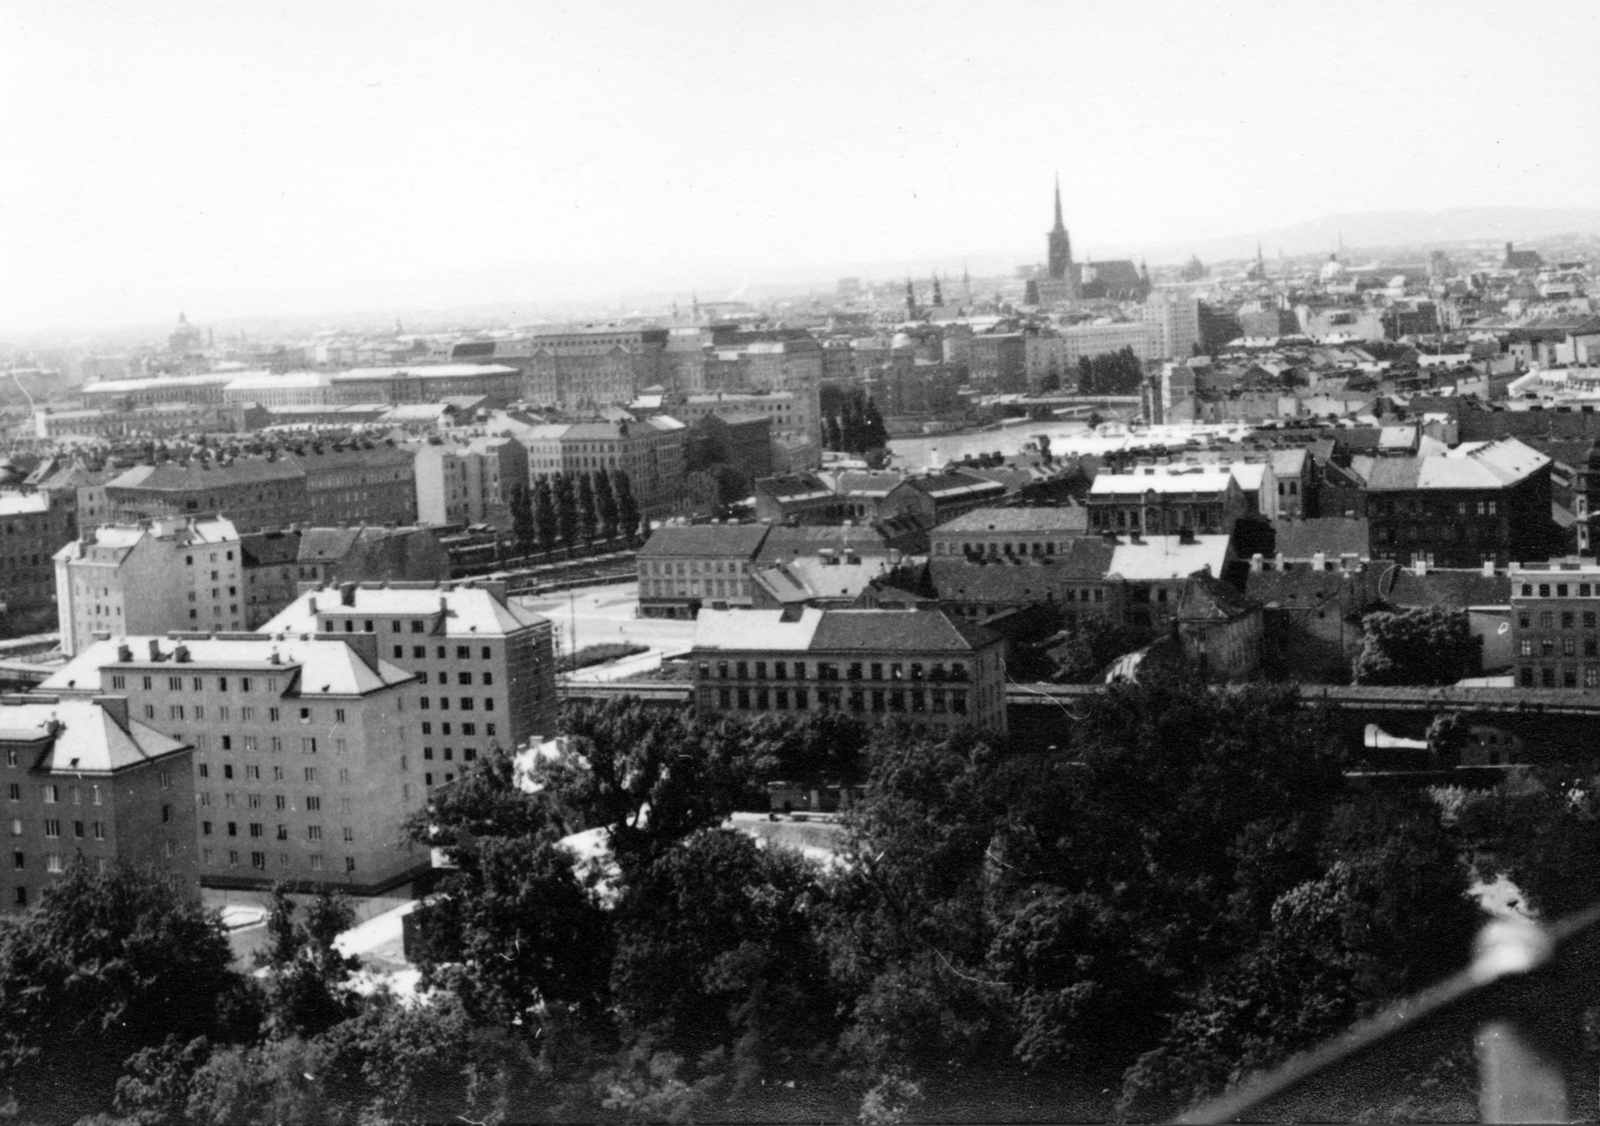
1060 226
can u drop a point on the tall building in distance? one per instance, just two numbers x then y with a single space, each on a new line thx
1062 282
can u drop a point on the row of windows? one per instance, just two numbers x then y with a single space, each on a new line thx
1546 676
119 681
465 703
878 701
1569 647
695 567
51 793
258 829
225 714
1416 506
992 547
96 829
1569 619
829 670
1585 590
258 860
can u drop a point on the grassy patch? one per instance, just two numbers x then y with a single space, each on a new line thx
598 655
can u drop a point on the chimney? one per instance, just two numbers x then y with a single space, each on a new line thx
124 653
1419 565
313 604
1255 562
1488 568
181 654
1186 535
1277 561
275 658
114 706
1319 561
155 649
347 594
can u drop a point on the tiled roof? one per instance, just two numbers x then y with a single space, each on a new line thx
736 541
1156 558
1205 599
1449 587
467 610
180 478
1304 589
1471 465
87 739
325 666
269 549
783 543
895 630
1333 535
953 483
794 486
1069 519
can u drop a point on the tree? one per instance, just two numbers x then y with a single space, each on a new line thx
523 532
108 964
833 433
545 525
306 972
628 508
588 516
566 498
1425 645
875 433
605 500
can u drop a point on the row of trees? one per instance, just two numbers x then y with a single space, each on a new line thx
573 510
1185 892
1114 373
854 425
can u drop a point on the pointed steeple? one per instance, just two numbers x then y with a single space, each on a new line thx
1060 226
938 294
1058 258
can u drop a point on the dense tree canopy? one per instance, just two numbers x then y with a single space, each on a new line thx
1186 888
1425 645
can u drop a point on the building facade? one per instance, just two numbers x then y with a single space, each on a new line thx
84 782
150 578
1555 623
487 666
308 750
32 530
685 567
473 482
580 369
920 665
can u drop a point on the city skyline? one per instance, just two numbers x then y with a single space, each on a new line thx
285 161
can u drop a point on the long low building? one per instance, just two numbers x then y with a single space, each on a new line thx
920 665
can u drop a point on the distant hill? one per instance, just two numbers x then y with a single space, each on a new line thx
1370 229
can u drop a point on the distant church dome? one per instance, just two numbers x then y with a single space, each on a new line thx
1332 270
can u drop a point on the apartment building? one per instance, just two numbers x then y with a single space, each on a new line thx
1163 499
427 383
649 450
584 368
1555 623
996 532
684 567
921 665
308 750
486 666
84 781
461 483
172 574
252 492
358 482
32 529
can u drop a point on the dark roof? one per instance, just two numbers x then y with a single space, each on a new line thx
953 481
727 540
1063 518
794 484
888 630
183 478
1305 589
1205 599
269 549
1332 535
1450 587
957 580
785 542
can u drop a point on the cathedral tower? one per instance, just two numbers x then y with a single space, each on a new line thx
1060 266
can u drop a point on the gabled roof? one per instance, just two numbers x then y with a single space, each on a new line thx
1471 465
1206 599
325 666
1073 519
467 611
1332 535
1446 587
784 543
913 631
735 541
1159 558
83 737
793 487
954 483
183 478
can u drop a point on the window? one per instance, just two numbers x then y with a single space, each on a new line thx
316 862
313 803
311 774
52 793
313 832
338 715
52 827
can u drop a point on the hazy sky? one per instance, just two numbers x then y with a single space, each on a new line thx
239 158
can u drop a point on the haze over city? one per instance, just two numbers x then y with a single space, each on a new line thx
296 158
